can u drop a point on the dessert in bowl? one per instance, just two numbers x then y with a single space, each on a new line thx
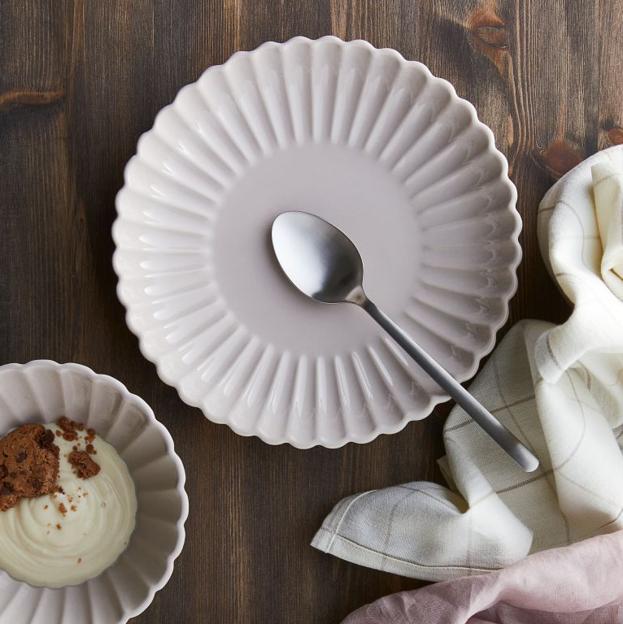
67 504
92 500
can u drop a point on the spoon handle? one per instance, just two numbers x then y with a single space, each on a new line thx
522 455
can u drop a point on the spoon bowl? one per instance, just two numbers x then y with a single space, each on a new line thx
318 258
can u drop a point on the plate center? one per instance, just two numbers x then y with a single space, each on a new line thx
347 188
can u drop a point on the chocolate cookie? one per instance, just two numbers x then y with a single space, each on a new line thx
28 464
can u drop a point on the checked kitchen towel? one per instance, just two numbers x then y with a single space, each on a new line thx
558 388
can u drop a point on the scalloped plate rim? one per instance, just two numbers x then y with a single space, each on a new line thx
505 296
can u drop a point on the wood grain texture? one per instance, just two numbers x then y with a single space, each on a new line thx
81 80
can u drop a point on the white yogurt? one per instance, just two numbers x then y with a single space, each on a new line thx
94 530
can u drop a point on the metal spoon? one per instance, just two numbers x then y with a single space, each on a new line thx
324 264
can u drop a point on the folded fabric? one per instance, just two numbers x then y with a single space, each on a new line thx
608 192
559 389
579 584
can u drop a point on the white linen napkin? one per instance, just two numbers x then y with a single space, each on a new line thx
558 388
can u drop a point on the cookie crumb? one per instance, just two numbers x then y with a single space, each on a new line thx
83 465
58 526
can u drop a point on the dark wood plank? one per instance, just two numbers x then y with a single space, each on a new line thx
80 81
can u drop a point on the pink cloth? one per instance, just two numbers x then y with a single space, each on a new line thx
578 584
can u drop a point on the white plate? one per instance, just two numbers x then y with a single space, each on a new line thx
371 142
42 391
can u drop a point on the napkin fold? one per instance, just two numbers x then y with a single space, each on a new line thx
579 584
608 192
559 389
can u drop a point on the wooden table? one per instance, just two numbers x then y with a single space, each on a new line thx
80 81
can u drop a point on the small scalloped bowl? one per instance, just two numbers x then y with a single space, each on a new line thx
42 391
